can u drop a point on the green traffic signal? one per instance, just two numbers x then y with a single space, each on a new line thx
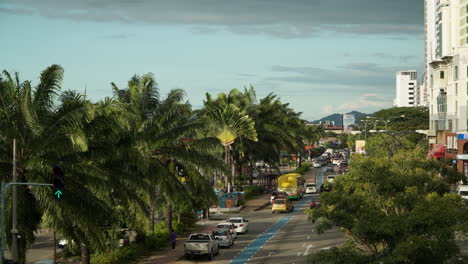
58 182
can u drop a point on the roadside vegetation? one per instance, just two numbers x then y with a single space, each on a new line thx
394 206
131 157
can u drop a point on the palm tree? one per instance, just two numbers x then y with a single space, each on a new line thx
48 135
227 122
164 134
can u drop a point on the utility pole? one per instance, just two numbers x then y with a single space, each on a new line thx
14 229
3 190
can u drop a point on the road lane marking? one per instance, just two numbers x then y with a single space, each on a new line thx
308 237
303 245
307 250
252 249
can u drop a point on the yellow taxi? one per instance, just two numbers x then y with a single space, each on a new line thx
282 205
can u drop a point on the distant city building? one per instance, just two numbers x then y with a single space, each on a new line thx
406 89
328 123
446 28
348 120
446 79
422 89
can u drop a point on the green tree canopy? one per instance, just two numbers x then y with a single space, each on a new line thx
393 210
415 118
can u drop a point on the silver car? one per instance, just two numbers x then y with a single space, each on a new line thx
224 237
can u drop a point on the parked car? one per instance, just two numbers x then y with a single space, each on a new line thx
282 205
330 178
278 194
310 188
230 227
201 244
224 237
330 168
315 204
240 223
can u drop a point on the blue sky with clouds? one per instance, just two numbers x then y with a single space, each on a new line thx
321 56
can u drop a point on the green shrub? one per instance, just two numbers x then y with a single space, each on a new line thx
252 191
303 168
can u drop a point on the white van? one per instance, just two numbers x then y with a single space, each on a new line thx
462 190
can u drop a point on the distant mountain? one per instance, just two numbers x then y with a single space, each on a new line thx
338 119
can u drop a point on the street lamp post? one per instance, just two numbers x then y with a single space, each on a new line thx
388 120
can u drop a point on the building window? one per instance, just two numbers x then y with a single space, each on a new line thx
456 106
455 75
450 125
456 89
441 74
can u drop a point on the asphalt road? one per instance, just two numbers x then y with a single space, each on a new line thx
277 238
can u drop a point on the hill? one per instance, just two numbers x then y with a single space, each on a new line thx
337 118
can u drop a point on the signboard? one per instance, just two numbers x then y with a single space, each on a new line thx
463 136
360 146
462 156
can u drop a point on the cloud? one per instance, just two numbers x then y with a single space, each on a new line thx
366 102
327 109
118 36
279 18
353 74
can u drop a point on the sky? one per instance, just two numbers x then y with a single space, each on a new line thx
320 56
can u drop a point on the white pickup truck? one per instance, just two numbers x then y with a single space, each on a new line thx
201 244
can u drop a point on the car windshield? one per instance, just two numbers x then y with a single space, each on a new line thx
200 237
331 177
279 202
310 185
219 233
224 226
235 220
464 193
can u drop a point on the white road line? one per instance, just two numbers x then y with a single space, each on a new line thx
307 250
308 237
298 254
303 245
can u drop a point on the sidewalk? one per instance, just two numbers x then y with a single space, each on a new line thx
168 255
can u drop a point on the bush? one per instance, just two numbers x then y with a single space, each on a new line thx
127 254
252 191
303 168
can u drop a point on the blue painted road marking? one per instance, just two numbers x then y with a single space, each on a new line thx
258 243
319 177
253 247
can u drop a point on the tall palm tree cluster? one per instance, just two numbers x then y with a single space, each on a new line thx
126 156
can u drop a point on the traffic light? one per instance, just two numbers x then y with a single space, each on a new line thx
58 182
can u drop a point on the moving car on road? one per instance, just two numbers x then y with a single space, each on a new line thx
224 237
230 227
240 223
315 204
282 205
277 194
201 244
462 190
310 188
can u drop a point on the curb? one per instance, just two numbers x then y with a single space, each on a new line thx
262 206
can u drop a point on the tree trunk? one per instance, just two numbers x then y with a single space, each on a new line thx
85 257
226 160
168 216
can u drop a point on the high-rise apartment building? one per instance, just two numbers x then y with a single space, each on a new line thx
406 89
446 59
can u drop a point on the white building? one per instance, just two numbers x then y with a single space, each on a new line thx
446 53
348 119
406 89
